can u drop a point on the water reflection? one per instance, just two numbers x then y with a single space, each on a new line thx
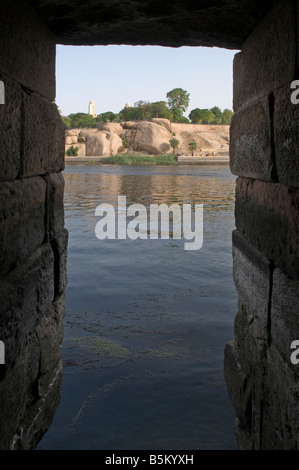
146 321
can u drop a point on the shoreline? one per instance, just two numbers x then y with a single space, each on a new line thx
182 160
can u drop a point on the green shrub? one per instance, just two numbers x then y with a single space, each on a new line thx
72 151
137 159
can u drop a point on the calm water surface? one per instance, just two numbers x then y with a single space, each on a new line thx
146 322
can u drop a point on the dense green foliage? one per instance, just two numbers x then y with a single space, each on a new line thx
178 102
172 109
210 116
192 147
139 159
174 143
72 151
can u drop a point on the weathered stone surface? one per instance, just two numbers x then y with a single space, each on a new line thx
72 132
129 125
50 334
10 130
26 294
268 57
59 247
28 48
252 277
86 132
152 138
97 144
26 415
44 136
54 207
267 215
280 410
22 224
238 387
250 144
103 143
163 122
284 315
149 22
286 137
115 142
113 127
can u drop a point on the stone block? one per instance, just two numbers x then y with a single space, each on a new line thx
28 48
252 277
22 224
50 334
26 294
250 142
268 56
267 216
286 137
43 143
238 386
25 414
10 130
59 247
285 315
54 205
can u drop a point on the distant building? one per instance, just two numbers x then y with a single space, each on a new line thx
128 105
92 109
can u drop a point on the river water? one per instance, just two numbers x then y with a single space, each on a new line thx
146 321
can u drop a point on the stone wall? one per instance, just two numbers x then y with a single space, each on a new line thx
261 379
32 235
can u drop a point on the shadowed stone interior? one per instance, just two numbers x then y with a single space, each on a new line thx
221 23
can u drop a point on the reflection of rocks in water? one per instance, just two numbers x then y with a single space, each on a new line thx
32 376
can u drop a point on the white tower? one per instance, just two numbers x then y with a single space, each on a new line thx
92 108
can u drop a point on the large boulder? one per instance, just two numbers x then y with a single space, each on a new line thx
103 144
112 127
85 132
163 122
72 132
152 138
97 144
129 125
116 145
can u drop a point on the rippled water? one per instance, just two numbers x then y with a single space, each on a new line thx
146 321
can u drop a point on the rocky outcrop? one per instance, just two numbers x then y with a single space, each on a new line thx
149 137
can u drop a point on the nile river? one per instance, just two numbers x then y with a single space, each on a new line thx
146 321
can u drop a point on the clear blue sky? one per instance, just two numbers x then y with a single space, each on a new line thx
114 75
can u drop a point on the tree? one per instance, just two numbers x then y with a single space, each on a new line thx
159 109
144 107
178 98
218 115
227 116
81 120
72 151
104 117
178 102
174 143
130 114
204 116
66 120
192 147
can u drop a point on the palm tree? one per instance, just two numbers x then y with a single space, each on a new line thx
192 147
174 144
